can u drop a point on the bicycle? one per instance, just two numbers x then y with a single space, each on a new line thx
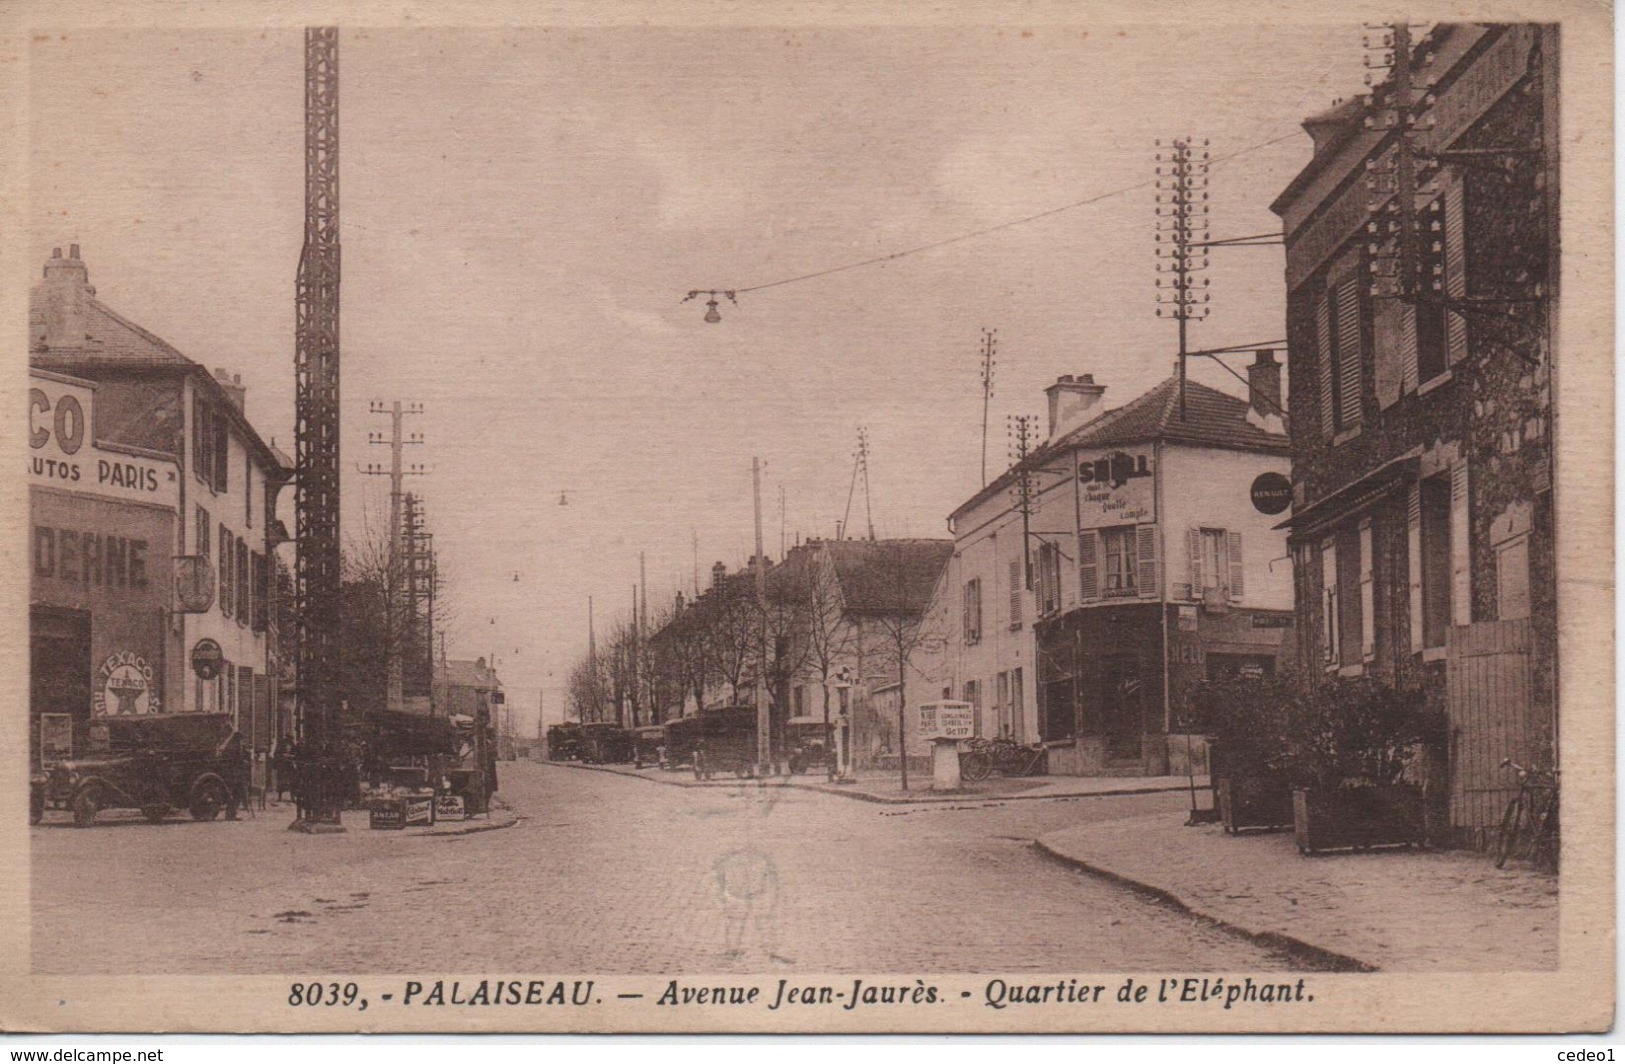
1529 828
1009 757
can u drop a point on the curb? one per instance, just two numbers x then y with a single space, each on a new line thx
1326 959
881 799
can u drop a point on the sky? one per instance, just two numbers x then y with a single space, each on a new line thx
523 210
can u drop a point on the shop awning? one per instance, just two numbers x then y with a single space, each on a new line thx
1355 496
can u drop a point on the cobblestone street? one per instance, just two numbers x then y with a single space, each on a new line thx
614 875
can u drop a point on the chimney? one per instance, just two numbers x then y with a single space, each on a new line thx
1072 401
719 573
232 385
64 297
1264 393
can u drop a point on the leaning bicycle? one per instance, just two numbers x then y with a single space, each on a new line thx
1529 829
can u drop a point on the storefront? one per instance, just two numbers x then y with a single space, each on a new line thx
101 549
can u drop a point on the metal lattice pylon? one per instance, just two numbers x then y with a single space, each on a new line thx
317 397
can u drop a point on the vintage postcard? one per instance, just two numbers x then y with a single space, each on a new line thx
706 517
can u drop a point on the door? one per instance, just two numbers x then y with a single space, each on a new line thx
1121 698
59 671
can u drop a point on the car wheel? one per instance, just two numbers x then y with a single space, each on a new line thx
208 798
86 804
155 812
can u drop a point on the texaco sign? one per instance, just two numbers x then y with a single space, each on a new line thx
126 686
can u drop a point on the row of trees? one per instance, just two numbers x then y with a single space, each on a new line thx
710 650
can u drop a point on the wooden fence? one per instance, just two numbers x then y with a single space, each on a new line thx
1492 716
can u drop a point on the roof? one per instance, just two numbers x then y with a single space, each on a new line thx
888 576
115 343
1212 419
457 672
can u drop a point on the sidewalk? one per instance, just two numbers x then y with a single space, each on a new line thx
887 788
1399 910
277 815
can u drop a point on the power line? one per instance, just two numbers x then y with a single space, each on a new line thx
1124 190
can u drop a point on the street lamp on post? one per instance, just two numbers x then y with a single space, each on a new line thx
842 684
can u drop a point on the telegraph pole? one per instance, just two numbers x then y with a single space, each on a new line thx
316 436
1182 228
989 346
392 584
1023 430
764 752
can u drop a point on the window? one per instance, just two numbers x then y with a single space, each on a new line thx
1117 547
1330 645
973 612
1436 553
1216 563
1001 692
203 532
202 440
261 575
1047 584
222 453
1017 707
228 570
1016 581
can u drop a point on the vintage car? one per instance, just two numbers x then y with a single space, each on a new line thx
726 742
605 744
806 742
157 764
649 745
564 741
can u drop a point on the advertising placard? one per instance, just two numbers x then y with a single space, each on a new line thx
419 811
947 720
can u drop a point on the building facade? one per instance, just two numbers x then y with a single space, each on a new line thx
1095 581
1422 359
154 516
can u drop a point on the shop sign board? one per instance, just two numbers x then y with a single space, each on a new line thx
947 720
386 814
418 811
62 453
1271 493
1117 488
450 807
207 658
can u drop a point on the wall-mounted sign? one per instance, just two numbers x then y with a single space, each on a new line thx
194 583
1272 493
207 657
947 720
125 686
1116 488
62 453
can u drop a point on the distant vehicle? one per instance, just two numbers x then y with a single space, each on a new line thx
605 744
648 745
155 764
564 741
726 742
806 742
682 738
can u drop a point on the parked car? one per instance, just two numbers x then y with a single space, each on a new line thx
806 743
605 744
155 764
564 741
726 743
649 745
682 737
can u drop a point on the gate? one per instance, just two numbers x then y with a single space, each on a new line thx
1488 700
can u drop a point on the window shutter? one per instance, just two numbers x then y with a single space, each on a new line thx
1461 573
1015 592
1409 375
1368 610
1193 540
1349 347
1089 565
1328 600
222 452
1324 367
1238 586
1413 548
1455 269
1390 323
1145 577
228 565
